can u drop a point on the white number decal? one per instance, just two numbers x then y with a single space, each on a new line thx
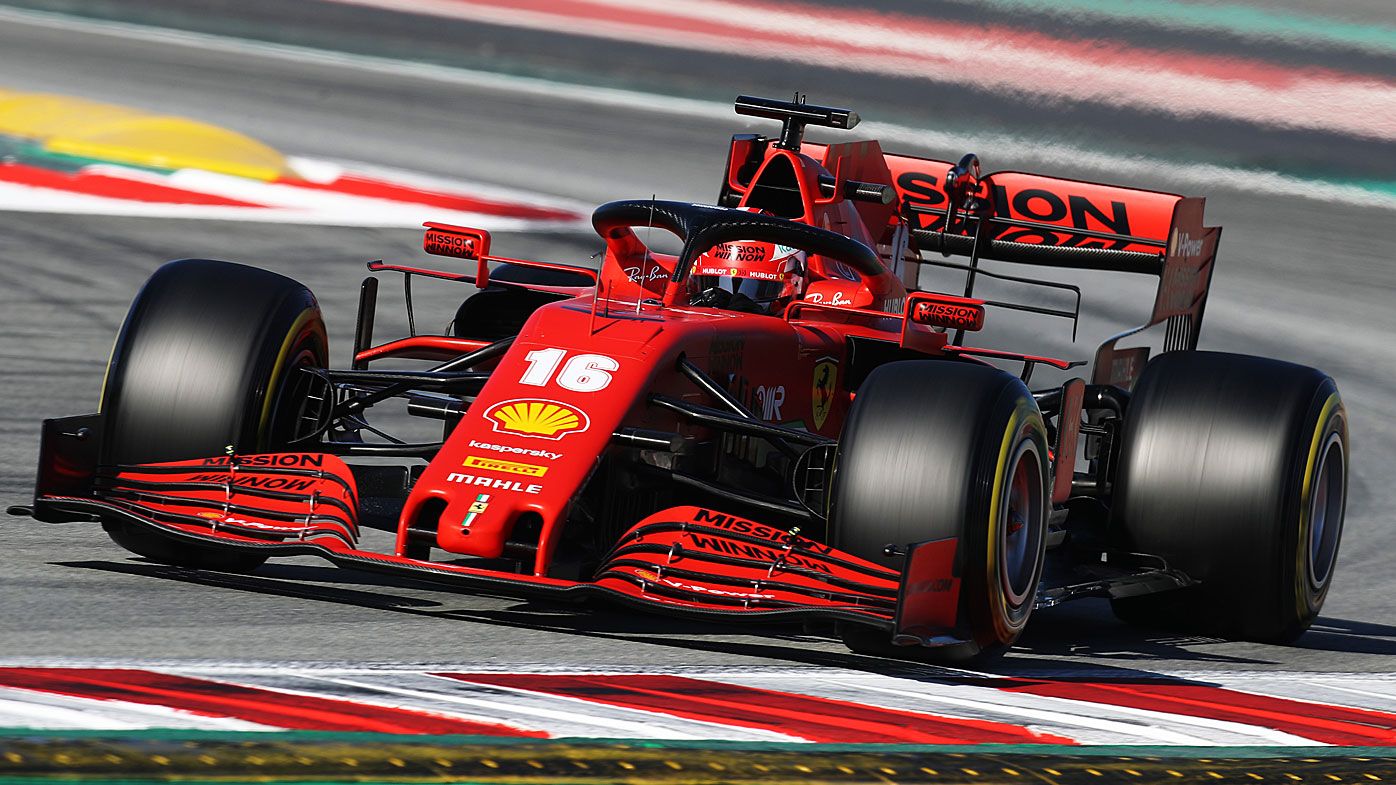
587 372
583 373
542 363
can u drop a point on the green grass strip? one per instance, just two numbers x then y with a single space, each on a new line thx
1243 20
315 757
24 150
9 736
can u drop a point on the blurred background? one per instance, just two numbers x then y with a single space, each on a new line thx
338 126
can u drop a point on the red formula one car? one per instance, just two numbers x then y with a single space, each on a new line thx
772 422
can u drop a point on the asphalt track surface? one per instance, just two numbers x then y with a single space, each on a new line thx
1299 279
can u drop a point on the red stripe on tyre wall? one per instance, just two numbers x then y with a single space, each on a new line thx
104 185
802 716
253 704
1318 721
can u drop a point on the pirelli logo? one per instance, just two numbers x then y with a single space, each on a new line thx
509 467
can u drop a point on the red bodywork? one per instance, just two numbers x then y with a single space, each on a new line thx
585 368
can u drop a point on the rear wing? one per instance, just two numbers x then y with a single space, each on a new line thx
942 209
1057 222
918 207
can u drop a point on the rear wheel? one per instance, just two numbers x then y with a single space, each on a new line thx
205 361
936 449
1234 470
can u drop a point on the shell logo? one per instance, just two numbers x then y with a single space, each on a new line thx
537 418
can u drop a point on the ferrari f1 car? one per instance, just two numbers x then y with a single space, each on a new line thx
771 422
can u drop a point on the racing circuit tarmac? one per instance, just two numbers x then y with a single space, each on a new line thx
1302 279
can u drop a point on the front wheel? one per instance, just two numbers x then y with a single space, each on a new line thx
935 449
205 361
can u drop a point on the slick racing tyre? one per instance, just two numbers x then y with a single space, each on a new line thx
1234 470
936 449
205 361
500 311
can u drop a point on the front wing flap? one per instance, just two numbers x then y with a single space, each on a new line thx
685 561
273 497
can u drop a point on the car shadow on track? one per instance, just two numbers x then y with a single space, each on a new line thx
1359 637
1061 644
1088 628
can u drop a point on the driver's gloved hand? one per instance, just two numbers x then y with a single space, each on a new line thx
712 297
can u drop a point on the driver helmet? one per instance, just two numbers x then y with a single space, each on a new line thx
749 275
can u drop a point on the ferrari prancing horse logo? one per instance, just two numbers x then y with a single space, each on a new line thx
826 374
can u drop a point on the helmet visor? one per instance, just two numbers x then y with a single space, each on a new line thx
754 289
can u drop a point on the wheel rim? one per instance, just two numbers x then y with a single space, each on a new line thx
292 401
1326 511
1021 525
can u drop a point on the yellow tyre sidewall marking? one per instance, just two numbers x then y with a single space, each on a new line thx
1024 417
306 317
106 375
1332 409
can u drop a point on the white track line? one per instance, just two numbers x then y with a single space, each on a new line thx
1388 698
1061 723
421 689
719 730
280 686
1061 716
1355 105
1080 160
1081 713
281 204
328 169
33 714
38 709
1312 691
584 719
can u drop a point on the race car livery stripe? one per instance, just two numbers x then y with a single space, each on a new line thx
807 717
110 184
1317 721
262 706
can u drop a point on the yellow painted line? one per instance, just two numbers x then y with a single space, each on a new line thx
107 132
45 116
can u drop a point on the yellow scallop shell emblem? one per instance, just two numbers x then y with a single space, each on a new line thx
536 418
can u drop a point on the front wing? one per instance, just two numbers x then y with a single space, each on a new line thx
684 561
